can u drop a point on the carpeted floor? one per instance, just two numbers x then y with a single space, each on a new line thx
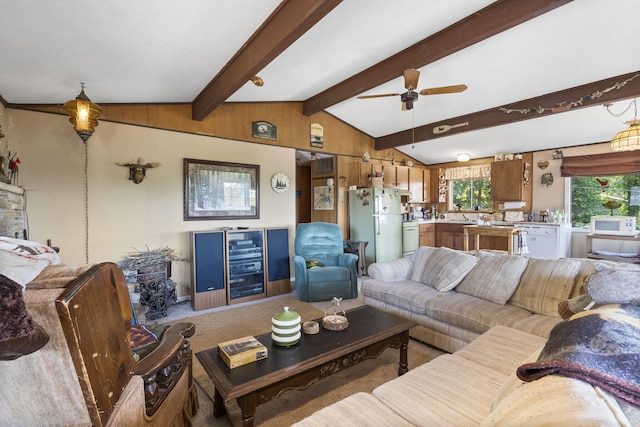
255 318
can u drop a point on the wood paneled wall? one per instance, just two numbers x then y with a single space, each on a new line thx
233 121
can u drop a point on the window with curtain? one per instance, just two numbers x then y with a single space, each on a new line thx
469 187
603 184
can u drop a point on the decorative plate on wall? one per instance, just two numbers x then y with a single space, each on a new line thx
280 182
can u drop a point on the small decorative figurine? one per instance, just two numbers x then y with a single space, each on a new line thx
335 321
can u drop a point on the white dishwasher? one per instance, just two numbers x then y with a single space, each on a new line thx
547 240
410 237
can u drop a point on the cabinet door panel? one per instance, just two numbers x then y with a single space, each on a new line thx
416 184
507 180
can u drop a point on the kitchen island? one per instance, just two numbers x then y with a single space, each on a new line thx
491 230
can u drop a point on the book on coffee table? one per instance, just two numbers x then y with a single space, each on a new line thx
241 351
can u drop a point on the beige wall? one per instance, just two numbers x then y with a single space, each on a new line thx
124 216
553 196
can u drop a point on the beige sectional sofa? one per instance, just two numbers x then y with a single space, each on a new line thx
456 296
476 386
493 312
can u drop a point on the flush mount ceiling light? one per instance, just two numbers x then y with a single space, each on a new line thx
463 157
83 114
629 138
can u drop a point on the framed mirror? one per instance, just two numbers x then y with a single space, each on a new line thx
220 190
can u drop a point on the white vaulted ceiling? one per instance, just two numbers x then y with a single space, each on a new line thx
165 51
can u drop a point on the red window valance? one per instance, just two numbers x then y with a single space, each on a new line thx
618 163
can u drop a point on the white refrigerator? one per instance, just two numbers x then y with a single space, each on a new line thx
374 217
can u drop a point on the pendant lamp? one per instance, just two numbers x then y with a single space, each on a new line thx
83 114
628 139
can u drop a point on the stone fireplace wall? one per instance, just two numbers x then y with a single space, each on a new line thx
12 219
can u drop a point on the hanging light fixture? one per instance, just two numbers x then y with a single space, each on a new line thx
463 157
83 114
628 139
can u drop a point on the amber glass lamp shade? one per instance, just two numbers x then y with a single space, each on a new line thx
628 139
83 115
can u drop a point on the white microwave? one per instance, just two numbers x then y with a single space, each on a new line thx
614 225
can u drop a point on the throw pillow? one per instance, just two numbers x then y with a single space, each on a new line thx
494 278
314 263
544 283
446 268
420 259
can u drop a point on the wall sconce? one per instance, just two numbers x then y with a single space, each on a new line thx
463 157
83 114
137 171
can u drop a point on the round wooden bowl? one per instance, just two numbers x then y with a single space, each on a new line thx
335 322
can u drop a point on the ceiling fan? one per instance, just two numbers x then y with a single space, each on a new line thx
411 77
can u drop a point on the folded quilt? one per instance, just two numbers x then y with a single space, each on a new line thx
600 346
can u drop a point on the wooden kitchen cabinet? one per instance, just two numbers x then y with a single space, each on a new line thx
419 184
434 182
450 235
396 176
427 234
507 180
402 177
358 174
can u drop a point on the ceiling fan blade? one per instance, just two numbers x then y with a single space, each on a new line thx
377 96
443 89
411 77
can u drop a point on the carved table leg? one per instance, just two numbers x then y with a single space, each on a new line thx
248 405
404 360
218 405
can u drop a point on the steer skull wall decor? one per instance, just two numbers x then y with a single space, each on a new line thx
137 171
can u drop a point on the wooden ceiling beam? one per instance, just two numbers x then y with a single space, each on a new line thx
284 26
487 22
537 107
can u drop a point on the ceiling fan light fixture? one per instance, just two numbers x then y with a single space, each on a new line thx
83 114
463 157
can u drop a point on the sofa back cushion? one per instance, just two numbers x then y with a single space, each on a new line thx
544 284
445 268
420 260
494 278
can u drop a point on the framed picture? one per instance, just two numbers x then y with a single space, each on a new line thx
323 198
219 190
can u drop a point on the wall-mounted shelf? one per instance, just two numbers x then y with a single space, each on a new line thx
621 255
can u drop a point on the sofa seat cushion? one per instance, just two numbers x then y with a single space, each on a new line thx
448 390
472 313
360 409
545 283
328 274
495 277
559 401
502 348
408 295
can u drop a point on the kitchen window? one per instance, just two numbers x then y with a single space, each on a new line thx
469 187
470 194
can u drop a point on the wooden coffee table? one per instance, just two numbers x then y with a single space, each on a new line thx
315 357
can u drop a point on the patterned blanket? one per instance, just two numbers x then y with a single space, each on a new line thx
600 346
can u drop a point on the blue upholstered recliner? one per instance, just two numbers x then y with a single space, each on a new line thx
322 242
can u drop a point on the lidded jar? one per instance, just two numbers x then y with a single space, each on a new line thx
285 328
